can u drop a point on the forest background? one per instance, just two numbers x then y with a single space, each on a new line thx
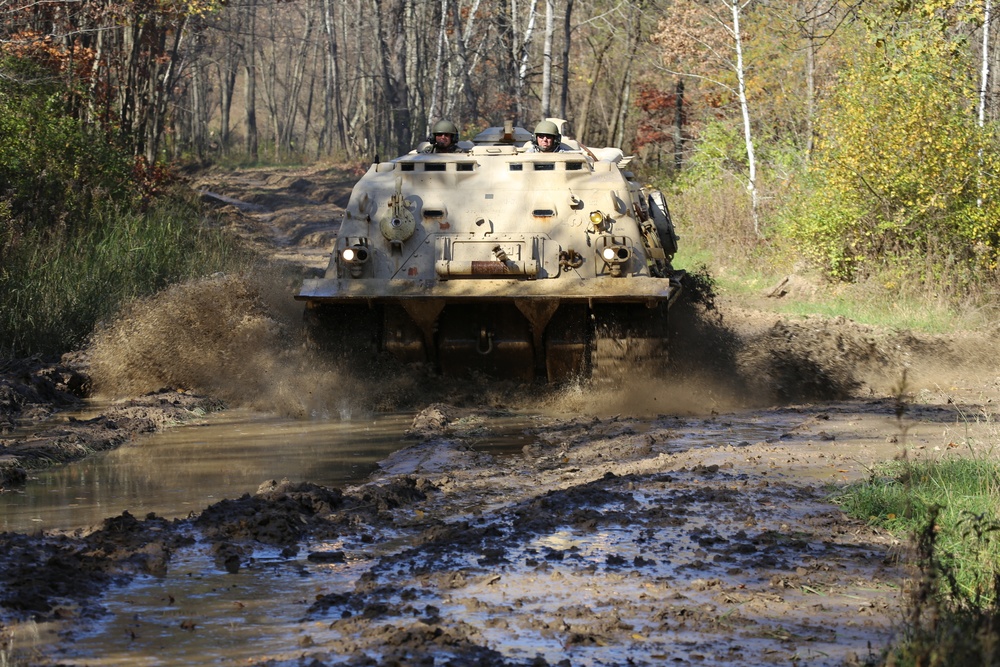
856 139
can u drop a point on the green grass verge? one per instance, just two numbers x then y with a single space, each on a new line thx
901 496
874 302
951 507
55 287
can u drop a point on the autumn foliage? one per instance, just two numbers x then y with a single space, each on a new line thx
903 174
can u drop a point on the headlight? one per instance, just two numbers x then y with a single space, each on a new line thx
354 254
615 258
353 258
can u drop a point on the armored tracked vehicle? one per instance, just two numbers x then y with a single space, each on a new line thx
516 264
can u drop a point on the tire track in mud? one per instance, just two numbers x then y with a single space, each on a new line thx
644 556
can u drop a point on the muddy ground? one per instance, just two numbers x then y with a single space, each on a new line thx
685 516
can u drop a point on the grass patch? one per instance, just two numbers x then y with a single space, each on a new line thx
962 495
868 303
951 507
55 287
943 626
713 222
876 308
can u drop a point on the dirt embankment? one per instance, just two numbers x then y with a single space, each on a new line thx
684 517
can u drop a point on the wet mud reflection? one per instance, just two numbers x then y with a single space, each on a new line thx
186 468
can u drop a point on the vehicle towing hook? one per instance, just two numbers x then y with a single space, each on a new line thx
485 342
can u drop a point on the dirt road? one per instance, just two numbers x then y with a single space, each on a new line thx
684 518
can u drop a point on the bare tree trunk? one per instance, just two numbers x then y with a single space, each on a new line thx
679 125
523 54
265 46
810 95
95 80
547 58
198 93
439 61
567 42
333 114
228 72
162 85
624 97
616 129
393 40
463 63
583 128
299 62
362 126
130 93
250 59
985 83
736 8
993 90
507 32
307 112
985 78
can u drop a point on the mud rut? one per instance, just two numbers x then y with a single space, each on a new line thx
684 517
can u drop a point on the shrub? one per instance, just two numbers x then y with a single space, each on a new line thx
902 171
83 227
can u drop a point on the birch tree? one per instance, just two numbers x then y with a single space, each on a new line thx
711 35
985 70
550 10
735 8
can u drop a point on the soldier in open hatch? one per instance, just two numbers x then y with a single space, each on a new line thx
444 138
547 139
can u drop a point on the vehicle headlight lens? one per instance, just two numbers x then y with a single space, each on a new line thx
608 254
348 254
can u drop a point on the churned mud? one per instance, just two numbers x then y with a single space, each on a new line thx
685 516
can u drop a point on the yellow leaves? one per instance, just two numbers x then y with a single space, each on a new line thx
900 160
190 8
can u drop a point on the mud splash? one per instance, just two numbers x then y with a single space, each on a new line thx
240 339
228 336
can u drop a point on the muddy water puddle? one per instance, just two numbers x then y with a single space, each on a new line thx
198 614
697 543
186 468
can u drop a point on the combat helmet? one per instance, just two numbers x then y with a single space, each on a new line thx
445 127
547 127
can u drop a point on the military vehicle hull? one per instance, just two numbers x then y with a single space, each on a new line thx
512 263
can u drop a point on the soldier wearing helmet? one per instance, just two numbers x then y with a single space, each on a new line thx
444 138
548 139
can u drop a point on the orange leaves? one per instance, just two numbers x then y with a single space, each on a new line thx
43 50
691 38
652 99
